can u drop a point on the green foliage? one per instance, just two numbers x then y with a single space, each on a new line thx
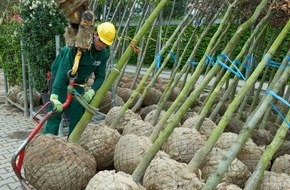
10 50
42 21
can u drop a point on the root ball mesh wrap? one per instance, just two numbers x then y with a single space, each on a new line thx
114 112
138 127
52 163
183 143
237 172
129 151
110 180
274 181
166 173
100 141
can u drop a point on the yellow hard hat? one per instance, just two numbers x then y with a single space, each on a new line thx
106 32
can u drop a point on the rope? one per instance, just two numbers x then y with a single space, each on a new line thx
134 47
275 107
173 57
158 60
237 72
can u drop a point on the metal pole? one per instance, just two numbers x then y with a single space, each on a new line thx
26 114
57 46
6 87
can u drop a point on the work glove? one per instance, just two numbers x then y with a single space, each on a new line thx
57 105
88 96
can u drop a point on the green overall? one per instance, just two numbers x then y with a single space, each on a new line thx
92 61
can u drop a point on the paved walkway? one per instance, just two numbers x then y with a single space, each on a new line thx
14 128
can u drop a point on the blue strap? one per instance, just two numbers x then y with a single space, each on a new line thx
275 107
193 63
278 97
273 64
287 57
210 60
237 72
173 56
158 60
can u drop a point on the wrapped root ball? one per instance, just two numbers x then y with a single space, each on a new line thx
274 181
100 141
152 97
107 102
113 114
12 93
183 143
165 173
150 116
144 111
281 164
110 180
206 127
52 163
138 127
249 155
237 172
125 94
129 151
227 186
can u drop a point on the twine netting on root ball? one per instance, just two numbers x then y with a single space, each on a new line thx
206 128
129 152
281 164
113 114
112 180
274 181
183 143
52 163
237 172
107 102
166 173
138 127
249 155
100 141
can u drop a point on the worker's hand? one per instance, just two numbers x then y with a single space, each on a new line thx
57 105
88 96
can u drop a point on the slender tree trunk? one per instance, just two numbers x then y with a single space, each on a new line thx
111 78
245 134
201 153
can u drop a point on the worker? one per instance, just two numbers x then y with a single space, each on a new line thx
92 61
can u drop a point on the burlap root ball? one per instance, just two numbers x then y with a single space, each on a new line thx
274 181
281 164
237 172
262 137
183 143
227 186
144 111
206 127
113 114
250 153
129 151
107 102
110 180
152 97
36 98
125 94
165 173
100 141
138 127
12 93
52 163
150 116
